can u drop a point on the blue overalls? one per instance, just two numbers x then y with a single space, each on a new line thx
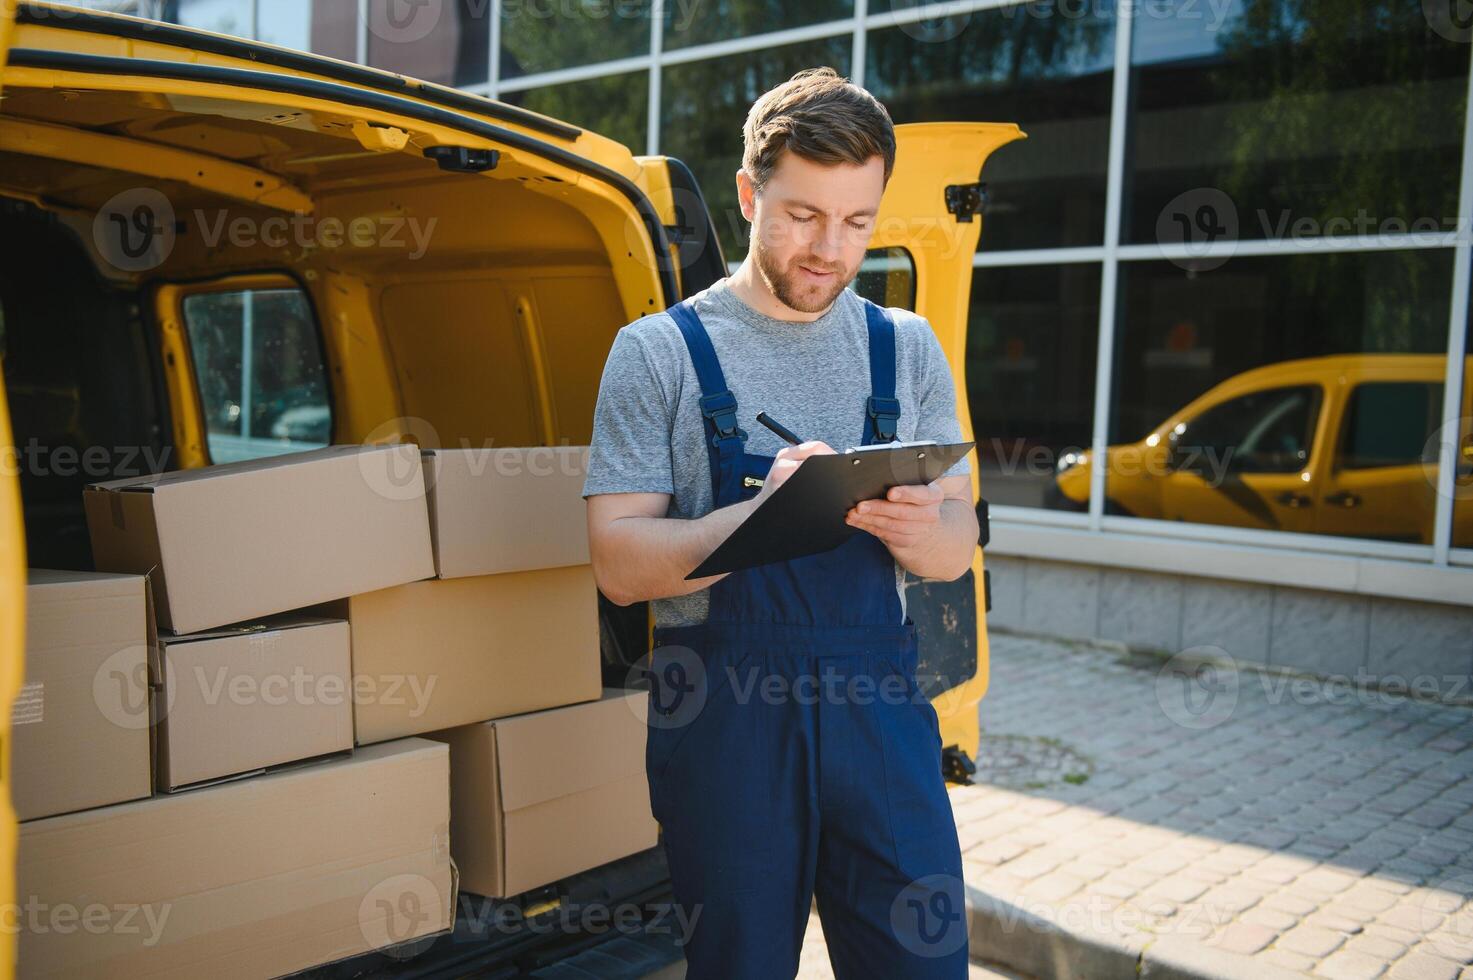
791 754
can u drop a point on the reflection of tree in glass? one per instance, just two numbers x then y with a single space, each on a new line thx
1349 111
703 107
616 107
536 38
1045 67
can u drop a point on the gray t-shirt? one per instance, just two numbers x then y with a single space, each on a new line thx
813 377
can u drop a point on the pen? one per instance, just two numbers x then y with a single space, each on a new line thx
772 424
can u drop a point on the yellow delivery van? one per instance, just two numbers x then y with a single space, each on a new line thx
215 250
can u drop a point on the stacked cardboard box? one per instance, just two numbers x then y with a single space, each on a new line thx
80 724
524 789
510 623
307 603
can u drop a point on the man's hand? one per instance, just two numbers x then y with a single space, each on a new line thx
930 529
785 464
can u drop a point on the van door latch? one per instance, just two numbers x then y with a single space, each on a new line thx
965 200
463 159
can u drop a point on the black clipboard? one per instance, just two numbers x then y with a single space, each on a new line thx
805 516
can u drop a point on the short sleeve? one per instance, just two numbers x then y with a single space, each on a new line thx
630 451
936 398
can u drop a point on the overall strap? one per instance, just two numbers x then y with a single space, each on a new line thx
882 409
724 438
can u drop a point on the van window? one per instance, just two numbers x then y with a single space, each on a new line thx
887 276
1389 423
1264 432
258 364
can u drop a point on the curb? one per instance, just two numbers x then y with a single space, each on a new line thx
1001 932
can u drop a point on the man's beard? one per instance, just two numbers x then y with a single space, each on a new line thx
791 288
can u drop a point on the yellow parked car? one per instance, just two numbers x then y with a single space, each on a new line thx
1344 444
213 248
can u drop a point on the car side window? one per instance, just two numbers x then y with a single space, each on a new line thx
258 364
1389 423
1269 431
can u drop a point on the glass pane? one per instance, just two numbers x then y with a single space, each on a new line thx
1269 431
1031 342
1050 74
334 28
616 107
887 276
1388 423
285 22
688 23
323 26
703 106
235 17
258 363
447 42
1248 104
1286 393
538 37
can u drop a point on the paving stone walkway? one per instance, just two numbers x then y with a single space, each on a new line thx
1288 824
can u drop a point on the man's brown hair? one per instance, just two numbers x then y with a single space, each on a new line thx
821 117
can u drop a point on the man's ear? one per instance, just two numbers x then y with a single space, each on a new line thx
746 194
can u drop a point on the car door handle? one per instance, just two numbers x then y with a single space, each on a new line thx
1291 499
1344 499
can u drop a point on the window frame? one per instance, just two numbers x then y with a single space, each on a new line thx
186 404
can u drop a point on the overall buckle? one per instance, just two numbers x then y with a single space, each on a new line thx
883 412
721 409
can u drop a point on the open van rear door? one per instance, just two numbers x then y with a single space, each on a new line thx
12 605
920 258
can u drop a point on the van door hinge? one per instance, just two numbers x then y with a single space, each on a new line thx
965 200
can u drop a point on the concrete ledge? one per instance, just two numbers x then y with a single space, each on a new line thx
1002 932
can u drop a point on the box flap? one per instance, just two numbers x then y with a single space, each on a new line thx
220 471
547 754
268 624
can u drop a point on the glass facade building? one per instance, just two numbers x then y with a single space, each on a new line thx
1231 260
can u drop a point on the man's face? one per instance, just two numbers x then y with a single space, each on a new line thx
811 226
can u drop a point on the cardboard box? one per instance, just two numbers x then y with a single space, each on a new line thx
507 510
231 543
246 698
449 652
254 878
80 723
541 796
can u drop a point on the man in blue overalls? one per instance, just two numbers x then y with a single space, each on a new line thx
791 755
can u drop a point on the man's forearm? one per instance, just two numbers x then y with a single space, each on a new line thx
649 557
946 552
